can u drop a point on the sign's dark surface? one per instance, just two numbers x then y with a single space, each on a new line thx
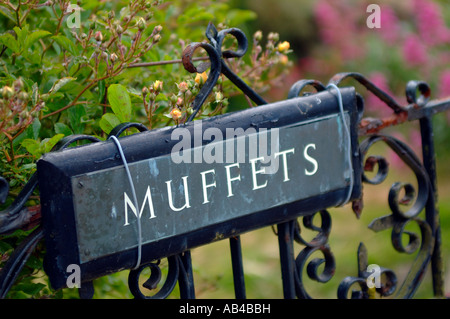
290 158
175 199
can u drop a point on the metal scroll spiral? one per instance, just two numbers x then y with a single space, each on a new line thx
217 64
154 279
318 244
161 286
415 201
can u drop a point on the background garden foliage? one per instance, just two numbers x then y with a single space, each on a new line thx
60 75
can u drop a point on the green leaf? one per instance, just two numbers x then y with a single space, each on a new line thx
8 40
48 144
32 146
18 294
7 12
161 97
30 288
32 132
22 34
120 102
34 36
4 247
60 83
38 149
66 44
108 122
76 114
61 128
36 127
135 93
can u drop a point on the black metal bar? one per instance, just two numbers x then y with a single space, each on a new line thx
285 242
431 108
238 268
17 260
431 208
15 216
186 276
386 98
86 291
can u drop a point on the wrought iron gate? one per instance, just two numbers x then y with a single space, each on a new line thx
420 200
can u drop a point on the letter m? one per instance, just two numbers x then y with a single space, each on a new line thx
129 205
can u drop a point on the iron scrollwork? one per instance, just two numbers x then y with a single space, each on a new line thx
217 64
387 280
318 244
415 200
154 279
400 195
397 221
179 270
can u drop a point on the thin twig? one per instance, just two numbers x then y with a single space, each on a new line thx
145 64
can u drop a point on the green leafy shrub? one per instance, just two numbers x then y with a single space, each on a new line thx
84 68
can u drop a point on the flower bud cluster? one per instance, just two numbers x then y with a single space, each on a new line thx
16 111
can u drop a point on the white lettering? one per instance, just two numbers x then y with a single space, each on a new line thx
74 19
186 195
239 133
207 310
263 150
129 203
205 186
229 179
310 159
198 142
285 166
255 172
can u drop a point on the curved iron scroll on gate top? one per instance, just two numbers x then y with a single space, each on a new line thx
418 199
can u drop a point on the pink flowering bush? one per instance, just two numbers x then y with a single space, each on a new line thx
412 43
